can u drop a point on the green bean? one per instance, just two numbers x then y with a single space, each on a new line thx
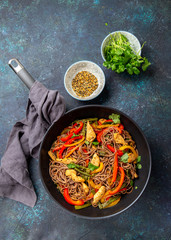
105 204
86 174
82 206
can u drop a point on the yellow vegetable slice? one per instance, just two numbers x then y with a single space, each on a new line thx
131 148
98 169
113 203
73 144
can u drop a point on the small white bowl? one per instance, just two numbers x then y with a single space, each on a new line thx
84 66
134 42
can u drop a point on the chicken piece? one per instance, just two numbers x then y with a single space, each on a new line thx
95 160
86 188
98 195
119 139
73 175
90 134
52 155
131 157
62 160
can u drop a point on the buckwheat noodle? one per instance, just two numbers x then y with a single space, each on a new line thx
57 170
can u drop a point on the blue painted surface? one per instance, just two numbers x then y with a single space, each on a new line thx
47 37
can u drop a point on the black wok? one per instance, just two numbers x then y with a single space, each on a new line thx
100 112
55 130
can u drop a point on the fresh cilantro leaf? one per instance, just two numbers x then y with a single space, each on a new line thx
95 143
115 118
121 68
139 166
119 53
136 70
74 135
130 71
113 67
87 142
145 64
105 64
92 167
124 158
138 159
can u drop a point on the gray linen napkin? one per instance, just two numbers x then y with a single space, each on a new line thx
44 107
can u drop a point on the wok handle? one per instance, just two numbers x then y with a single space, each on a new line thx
19 69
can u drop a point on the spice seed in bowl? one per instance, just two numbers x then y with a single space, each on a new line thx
84 84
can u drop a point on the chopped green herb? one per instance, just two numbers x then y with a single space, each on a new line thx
95 143
124 158
139 166
87 142
138 159
115 118
92 167
74 135
145 64
121 57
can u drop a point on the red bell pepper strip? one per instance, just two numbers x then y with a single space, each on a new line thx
99 135
119 152
68 142
118 129
64 139
109 120
112 149
75 124
80 128
61 151
110 192
73 139
99 123
57 148
123 189
62 148
121 126
87 160
72 131
70 201
115 168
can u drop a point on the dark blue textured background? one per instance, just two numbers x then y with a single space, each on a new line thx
47 37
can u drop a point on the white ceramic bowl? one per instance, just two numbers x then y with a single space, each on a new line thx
84 66
135 44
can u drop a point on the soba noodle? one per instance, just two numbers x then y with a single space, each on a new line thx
82 151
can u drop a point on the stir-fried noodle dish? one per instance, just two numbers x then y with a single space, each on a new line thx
93 162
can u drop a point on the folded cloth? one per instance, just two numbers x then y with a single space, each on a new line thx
44 107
